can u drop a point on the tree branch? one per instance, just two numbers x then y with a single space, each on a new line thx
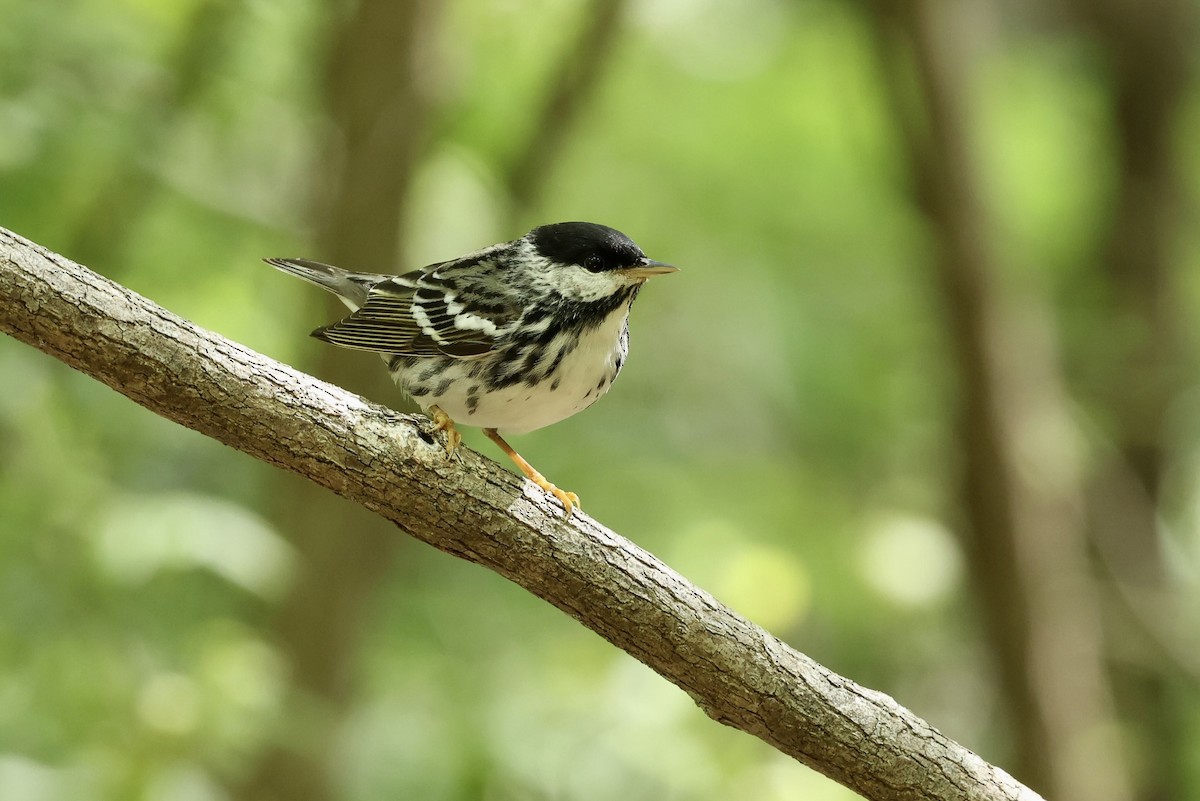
739 674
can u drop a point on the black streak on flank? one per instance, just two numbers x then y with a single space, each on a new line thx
472 399
434 369
553 368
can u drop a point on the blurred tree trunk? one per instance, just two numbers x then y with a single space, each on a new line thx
1150 47
108 223
1020 486
570 88
379 117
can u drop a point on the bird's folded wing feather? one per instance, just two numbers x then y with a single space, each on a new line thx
420 314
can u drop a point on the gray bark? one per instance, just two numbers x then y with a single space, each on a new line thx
739 674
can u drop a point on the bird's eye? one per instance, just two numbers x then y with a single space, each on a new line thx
593 263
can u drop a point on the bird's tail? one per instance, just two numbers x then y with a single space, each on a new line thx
351 288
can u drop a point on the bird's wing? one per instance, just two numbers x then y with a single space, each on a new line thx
443 310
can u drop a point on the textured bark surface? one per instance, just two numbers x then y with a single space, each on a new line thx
739 674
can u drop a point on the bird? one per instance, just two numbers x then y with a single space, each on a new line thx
514 337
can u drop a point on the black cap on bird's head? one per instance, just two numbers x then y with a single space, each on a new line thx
596 248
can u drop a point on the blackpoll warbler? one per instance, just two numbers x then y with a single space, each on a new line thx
515 336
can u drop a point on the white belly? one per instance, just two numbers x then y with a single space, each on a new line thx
583 376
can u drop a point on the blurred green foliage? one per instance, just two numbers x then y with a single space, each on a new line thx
780 435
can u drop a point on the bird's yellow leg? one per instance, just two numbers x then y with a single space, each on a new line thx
567 499
442 422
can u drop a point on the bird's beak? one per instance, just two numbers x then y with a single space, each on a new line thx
648 268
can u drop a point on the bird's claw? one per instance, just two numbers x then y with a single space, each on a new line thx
443 422
569 500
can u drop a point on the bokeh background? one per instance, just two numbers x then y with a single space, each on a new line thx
923 401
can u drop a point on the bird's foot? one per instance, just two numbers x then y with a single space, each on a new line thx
442 422
569 500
